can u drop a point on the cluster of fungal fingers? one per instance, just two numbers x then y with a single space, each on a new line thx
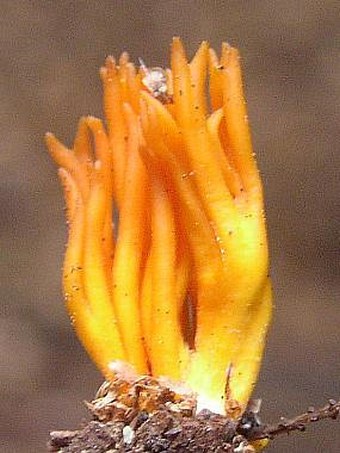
166 266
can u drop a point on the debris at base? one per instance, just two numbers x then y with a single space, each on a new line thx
160 432
147 416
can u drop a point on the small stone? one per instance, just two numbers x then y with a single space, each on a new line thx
128 434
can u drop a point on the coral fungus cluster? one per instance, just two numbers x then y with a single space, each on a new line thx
166 265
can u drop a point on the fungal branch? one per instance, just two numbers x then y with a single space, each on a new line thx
178 286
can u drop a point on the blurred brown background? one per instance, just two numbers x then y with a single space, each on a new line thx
50 55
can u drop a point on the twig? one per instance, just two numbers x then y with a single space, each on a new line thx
298 423
61 439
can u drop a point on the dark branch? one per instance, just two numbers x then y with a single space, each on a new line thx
298 423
